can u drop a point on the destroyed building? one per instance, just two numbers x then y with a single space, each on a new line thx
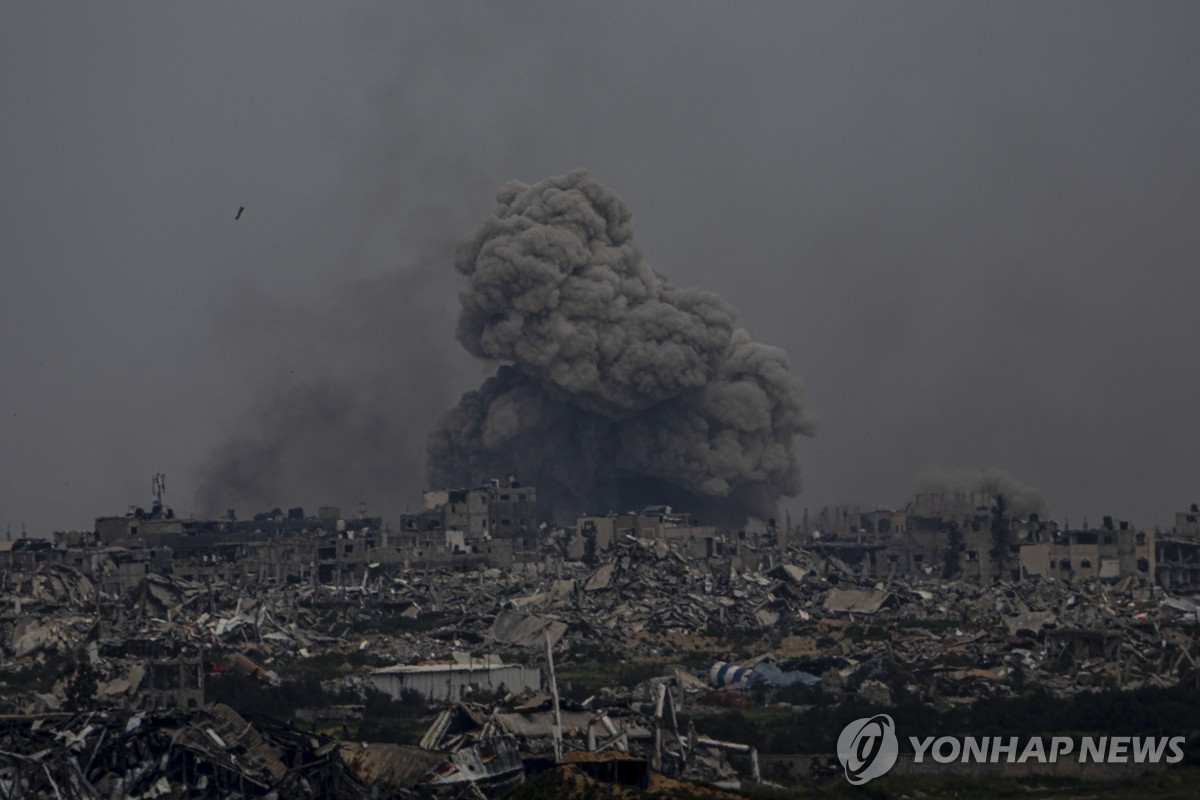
1187 523
886 543
1113 551
497 509
212 751
1177 554
923 541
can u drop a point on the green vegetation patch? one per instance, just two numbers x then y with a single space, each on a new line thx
578 681
27 680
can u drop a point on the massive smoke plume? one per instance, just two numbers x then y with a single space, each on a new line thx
615 387
960 490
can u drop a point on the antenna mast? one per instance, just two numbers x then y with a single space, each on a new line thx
158 485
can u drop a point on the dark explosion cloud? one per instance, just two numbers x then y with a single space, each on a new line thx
616 388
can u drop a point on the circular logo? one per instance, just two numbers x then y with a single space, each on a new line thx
868 748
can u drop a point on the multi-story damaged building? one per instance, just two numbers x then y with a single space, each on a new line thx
466 517
918 542
1177 554
981 545
1112 551
1187 523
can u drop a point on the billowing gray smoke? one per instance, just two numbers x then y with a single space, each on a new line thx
960 489
616 388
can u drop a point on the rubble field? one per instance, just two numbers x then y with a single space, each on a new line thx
112 696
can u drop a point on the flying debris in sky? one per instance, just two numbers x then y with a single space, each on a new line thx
615 388
239 213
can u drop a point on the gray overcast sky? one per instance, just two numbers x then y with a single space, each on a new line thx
973 227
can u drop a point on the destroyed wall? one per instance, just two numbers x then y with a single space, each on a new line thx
432 499
494 510
127 529
119 571
465 510
512 511
916 554
74 538
424 529
1035 560
603 530
456 540
442 557
446 549
1187 523
658 526
977 562
27 560
846 521
1177 555
1081 560
1104 553
1177 562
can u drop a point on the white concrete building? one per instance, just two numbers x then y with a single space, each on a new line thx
456 681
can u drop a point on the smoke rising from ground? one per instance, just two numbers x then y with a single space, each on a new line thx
616 388
959 489
352 383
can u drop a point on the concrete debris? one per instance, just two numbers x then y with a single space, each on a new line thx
493 742
213 751
130 641
855 601
601 578
526 630
239 664
640 602
390 766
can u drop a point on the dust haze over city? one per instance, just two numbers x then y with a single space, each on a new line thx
970 229
552 399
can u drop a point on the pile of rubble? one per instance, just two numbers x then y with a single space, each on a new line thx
206 752
644 602
495 741
764 618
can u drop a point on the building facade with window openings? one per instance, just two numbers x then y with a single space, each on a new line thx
497 509
1177 554
979 547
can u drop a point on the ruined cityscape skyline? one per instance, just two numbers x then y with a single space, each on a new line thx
971 230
